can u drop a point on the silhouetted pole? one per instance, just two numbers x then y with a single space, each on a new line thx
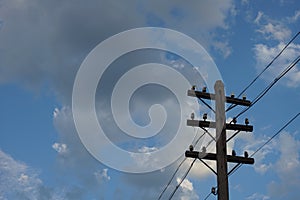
220 125
222 177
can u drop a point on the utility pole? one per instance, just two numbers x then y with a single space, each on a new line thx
221 147
220 125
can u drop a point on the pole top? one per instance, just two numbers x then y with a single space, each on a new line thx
219 84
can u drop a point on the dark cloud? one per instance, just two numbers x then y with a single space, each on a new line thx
47 41
42 44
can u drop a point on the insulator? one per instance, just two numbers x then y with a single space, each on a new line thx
205 116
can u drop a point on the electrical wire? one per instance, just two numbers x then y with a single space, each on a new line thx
258 97
253 103
231 106
177 169
269 140
185 175
169 183
207 105
290 66
262 93
190 167
208 195
236 167
255 79
196 142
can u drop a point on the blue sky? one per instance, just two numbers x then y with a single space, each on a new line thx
42 45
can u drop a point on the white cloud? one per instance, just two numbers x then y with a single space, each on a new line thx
209 14
262 168
52 48
187 191
223 47
146 159
284 166
19 181
186 184
60 148
289 158
55 112
250 143
66 46
146 149
257 196
287 168
279 32
264 54
23 178
102 175
276 32
15 179
294 18
258 17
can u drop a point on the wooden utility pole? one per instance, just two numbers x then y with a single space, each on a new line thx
220 125
221 148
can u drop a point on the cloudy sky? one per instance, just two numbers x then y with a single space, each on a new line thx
42 46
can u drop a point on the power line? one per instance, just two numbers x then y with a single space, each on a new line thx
207 105
254 80
290 121
258 97
251 83
185 175
269 140
169 183
200 138
236 167
177 169
208 195
262 93
190 167
220 126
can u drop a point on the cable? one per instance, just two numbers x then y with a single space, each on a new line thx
258 97
199 139
236 167
290 121
252 82
207 105
190 167
168 184
208 195
206 131
177 169
262 93
269 140
185 175
254 102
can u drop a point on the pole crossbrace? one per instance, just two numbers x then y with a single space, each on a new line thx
209 167
213 156
228 126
